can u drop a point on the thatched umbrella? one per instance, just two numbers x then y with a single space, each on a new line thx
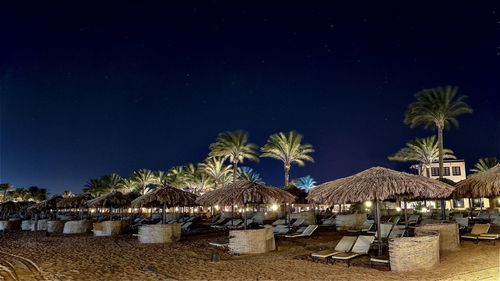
245 192
77 201
45 205
480 185
114 199
8 207
167 197
379 184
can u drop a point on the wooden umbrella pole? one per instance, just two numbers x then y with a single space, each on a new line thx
245 226
164 213
232 215
406 213
379 237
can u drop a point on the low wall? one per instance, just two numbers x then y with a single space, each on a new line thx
42 225
414 253
55 226
8 225
253 241
109 228
449 237
27 224
159 233
74 227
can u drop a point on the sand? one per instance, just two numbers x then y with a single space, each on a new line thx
83 257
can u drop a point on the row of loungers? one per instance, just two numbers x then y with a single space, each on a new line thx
480 232
348 248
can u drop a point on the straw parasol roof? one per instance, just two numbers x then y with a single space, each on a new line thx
75 201
300 194
114 199
8 207
379 183
243 192
48 204
482 184
168 195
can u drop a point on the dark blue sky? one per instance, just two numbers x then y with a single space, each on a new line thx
91 89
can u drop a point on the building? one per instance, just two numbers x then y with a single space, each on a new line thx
455 170
452 169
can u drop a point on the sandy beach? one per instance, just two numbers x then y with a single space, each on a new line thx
84 257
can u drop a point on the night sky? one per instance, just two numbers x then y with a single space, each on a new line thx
91 89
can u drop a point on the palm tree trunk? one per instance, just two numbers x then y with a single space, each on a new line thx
441 169
287 171
235 171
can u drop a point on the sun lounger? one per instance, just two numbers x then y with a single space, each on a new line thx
306 233
397 231
218 244
367 225
360 248
281 229
242 225
476 231
278 222
385 230
383 260
344 245
185 226
329 221
298 222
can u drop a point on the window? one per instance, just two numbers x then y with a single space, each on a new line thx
446 171
435 172
456 171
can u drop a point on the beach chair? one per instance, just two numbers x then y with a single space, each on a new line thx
366 226
242 225
360 248
395 220
397 231
344 245
477 230
328 221
219 222
185 226
281 229
298 222
385 230
463 223
278 222
306 233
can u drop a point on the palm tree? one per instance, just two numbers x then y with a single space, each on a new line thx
143 178
67 194
219 172
424 151
289 149
111 182
160 178
176 177
36 194
484 164
95 187
4 188
127 185
196 179
234 146
306 183
247 173
437 108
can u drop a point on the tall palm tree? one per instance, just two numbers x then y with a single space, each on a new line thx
247 173
95 187
306 183
36 194
111 182
143 178
196 179
176 177
4 188
424 151
437 108
234 146
215 168
289 149
127 185
485 164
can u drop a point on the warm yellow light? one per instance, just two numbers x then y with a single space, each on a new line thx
176 209
368 204
236 206
217 207
274 207
424 210
398 209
